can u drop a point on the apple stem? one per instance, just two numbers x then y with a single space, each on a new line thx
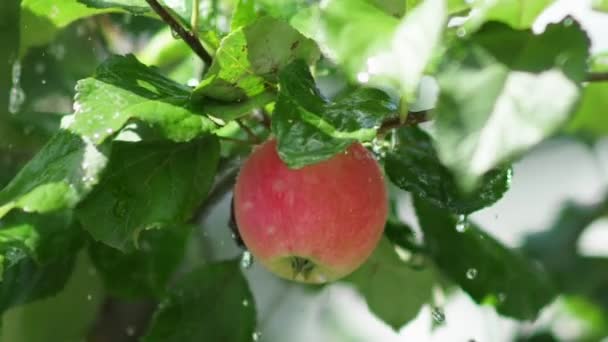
301 266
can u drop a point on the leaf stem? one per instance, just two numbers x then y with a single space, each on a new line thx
188 36
597 77
252 136
413 118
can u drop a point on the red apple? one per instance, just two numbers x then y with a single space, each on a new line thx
314 224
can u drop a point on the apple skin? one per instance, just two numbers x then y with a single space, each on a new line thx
314 224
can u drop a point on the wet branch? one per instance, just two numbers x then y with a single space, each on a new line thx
597 77
413 118
187 36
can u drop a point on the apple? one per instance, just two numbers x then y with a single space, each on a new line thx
314 224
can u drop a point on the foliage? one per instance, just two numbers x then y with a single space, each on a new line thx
121 153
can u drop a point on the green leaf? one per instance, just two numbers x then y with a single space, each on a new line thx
488 271
394 291
310 130
137 7
243 15
58 177
148 185
41 20
37 253
591 119
414 166
146 271
123 89
599 62
557 248
65 316
212 303
233 110
519 14
251 57
374 47
504 91
600 5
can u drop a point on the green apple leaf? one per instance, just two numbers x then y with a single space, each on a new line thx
212 303
374 47
37 253
137 7
488 271
393 290
557 249
309 129
519 14
250 58
58 177
600 5
414 166
591 119
145 272
41 20
148 185
504 91
123 89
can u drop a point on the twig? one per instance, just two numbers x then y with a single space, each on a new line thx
262 116
252 136
194 18
413 118
187 36
597 77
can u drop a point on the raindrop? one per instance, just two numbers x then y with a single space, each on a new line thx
245 302
16 95
130 330
256 335
378 148
461 224
246 260
471 273
43 81
438 315
502 297
568 21
89 297
174 34
461 32
109 130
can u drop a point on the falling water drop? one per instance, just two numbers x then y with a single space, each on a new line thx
438 315
246 260
461 224
471 273
256 336
245 302
16 95
130 330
